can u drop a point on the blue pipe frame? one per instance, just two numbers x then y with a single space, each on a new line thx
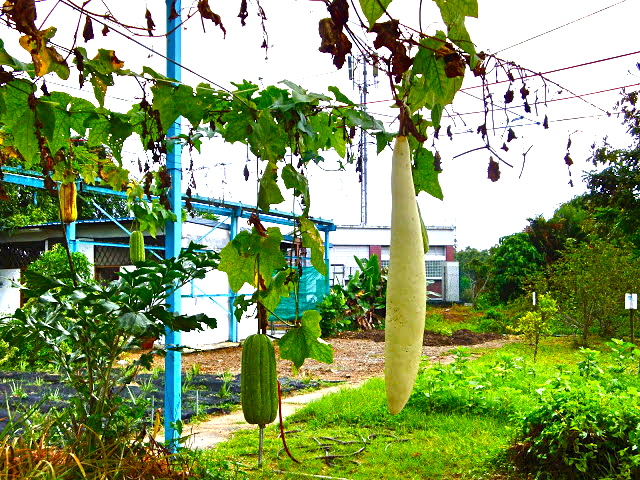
234 211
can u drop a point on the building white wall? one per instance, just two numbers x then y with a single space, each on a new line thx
209 296
451 282
9 295
349 241
381 235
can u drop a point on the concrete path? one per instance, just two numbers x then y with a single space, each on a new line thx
220 428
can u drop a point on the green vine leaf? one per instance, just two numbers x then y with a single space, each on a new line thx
304 342
173 101
340 97
373 9
269 191
425 176
453 14
56 121
300 95
249 254
20 119
99 130
280 286
268 140
299 183
80 111
311 239
383 139
429 84
17 65
120 129
99 69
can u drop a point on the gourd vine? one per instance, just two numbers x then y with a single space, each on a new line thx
39 126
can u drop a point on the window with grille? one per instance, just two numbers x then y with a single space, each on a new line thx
434 268
437 251
19 254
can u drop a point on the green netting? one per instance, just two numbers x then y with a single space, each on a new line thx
313 289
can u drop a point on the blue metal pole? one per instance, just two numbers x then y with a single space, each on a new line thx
71 237
233 325
173 243
70 232
327 262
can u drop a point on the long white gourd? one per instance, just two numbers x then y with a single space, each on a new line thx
406 287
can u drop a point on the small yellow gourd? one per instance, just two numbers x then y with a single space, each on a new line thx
67 197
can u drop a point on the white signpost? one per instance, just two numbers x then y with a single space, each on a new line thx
631 304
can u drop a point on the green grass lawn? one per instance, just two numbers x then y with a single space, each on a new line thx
351 435
459 423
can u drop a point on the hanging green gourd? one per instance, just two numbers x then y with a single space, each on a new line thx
136 247
259 384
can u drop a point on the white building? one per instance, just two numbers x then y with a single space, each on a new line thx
349 241
105 243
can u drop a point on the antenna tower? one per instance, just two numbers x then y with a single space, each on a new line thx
358 75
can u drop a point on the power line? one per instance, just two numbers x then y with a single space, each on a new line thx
558 28
553 71
542 102
111 28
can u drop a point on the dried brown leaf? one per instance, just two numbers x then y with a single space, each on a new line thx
243 13
87 31
493 171
207 13
150 23
508 97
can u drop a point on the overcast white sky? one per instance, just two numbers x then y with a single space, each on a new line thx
482 211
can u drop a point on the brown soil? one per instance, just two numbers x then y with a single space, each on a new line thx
357 355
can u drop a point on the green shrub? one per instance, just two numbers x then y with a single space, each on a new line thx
537 324
581 431
361 303
55 263
494 320
86 327
497 389
435 322
332 312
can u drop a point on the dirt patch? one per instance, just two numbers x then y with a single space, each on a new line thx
356 355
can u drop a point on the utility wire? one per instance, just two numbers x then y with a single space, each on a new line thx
558 28
111 28
523 77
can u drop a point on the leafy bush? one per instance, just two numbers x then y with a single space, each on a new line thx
361 303
576 422
100 322
589 283
332 311
494 320
496 389
53 263
586 424
580 430
435 322
536 325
